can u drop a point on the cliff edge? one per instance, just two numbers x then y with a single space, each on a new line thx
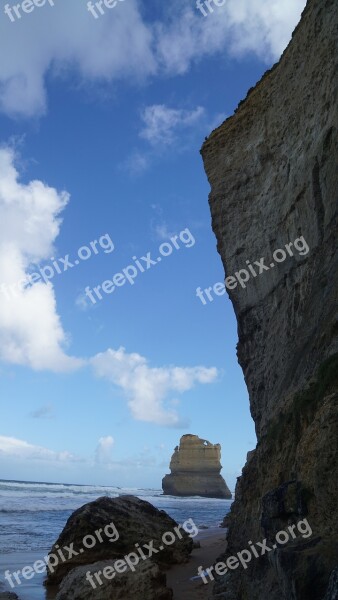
195 470
273 173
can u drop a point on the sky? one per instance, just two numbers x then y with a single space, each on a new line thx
107 354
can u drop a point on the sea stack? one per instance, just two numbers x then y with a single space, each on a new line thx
195 470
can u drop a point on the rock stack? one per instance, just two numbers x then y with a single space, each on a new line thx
195 470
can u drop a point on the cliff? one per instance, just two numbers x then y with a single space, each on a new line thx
195 470
273 173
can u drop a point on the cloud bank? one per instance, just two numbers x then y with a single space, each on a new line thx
31 332
65 40
20 449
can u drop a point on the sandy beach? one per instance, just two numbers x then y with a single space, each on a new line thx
179 578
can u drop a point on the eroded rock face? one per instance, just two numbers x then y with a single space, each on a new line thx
146 583
134 520
195 470
273 173
332 590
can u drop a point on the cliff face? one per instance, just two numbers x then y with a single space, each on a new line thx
273 173
195 470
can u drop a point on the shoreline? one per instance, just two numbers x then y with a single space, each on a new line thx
213 543
32 589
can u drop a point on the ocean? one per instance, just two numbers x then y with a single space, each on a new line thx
32 515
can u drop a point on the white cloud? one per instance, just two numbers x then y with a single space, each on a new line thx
161 126
15 448
66 39
103 453
260 27
21 452
31 332
161 123
147 388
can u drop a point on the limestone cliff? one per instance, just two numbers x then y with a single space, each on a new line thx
273 173
195 470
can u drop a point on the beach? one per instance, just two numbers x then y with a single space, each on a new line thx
34 514
179 577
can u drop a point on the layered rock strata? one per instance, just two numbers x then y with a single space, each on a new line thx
273 173
195 470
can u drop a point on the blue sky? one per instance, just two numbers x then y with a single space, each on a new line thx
101 124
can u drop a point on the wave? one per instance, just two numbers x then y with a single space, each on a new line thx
31 496
22 486
33 509
76 489
19 497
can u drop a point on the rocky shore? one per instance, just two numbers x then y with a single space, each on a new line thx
178 581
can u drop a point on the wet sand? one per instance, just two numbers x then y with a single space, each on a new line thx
213 543
32 589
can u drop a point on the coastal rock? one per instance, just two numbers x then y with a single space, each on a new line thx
195 470
8 596
332 590
134 522
272 168
146 583
225 522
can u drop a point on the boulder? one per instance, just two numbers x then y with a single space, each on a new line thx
146 583
195 470
122 522
8 596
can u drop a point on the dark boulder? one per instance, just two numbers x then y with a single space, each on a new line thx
124 525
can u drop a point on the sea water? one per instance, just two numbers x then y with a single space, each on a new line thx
33 514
